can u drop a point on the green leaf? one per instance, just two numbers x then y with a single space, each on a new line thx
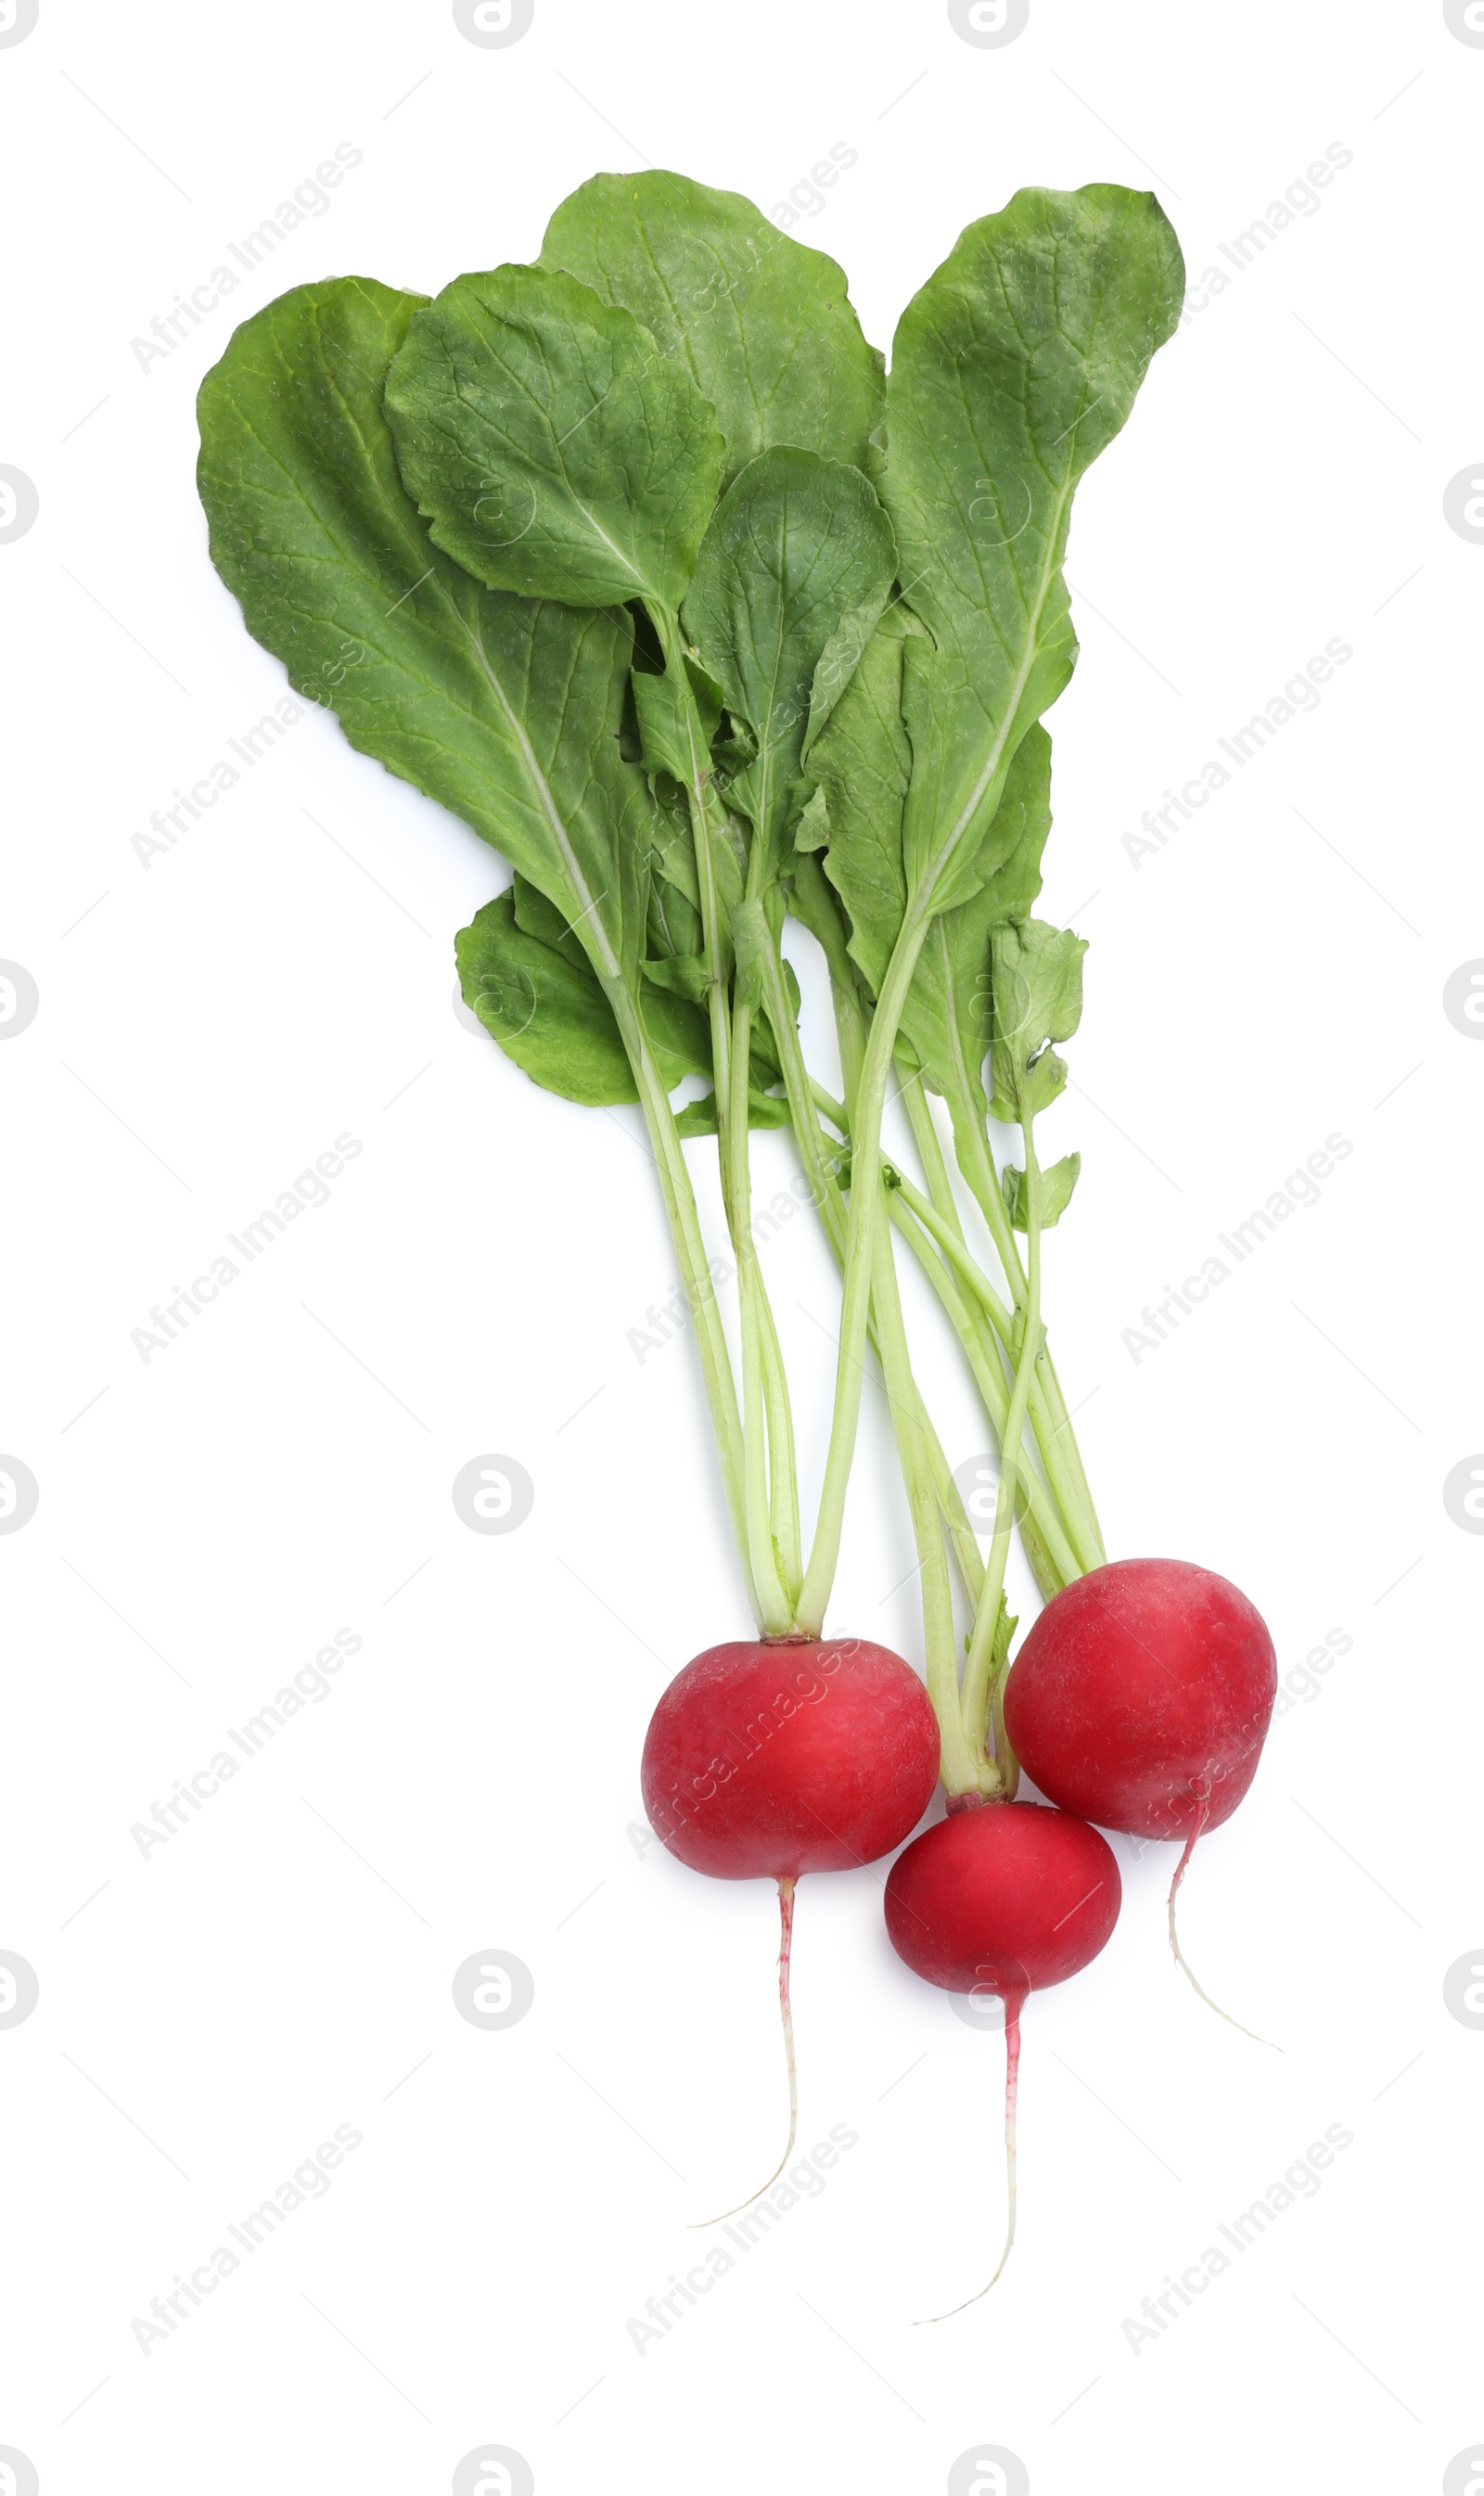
548 1014
1037 971
947 1014
812 831
862 762
815 903
699 1118
1057 1184
538 998
552 446
793 569
751 936
681 975
675 929
674 854
1012 368
665 714
540 917
505 710
761 322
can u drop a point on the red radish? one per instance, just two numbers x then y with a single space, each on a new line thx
768 1757
1002 1898
1142 1698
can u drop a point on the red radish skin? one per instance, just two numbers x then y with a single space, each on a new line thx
769 1758
1004 1898
1141 1698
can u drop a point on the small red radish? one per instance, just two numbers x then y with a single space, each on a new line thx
1002 1897
769 1758
1141 1698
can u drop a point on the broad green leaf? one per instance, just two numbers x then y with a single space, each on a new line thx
1057 1184
1036 971
681 1036
815 903
792 575
664 705
541 919
548 1013
947 1019
674 885
538 996
812 831
680 975
675 929
862 762
761 322
505 710
1012 368
699 1118
678 713
553 447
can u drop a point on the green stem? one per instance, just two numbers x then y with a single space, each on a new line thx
694 1268
917 1443
769 1479
958 1766
1054 1431
782 1463
777 1606
866 1224
705 828
948 1239
1053 1559
819 1151
987 1633
1058 1441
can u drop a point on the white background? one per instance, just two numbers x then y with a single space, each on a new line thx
209 1024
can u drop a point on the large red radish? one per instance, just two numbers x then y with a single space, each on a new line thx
1002 1898
769 1758
1141 1698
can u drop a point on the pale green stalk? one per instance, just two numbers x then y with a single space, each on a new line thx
986 1626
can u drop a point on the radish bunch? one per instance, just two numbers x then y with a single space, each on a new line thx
639 561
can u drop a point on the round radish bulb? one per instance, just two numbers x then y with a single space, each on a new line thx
1004 1898
1142 1697
777 1757
768 1757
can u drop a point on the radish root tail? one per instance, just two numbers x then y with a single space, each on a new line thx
1011 2083
785 2008
1181 1962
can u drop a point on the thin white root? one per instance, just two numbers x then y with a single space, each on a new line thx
1011 2082
786 2007
1181 1962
